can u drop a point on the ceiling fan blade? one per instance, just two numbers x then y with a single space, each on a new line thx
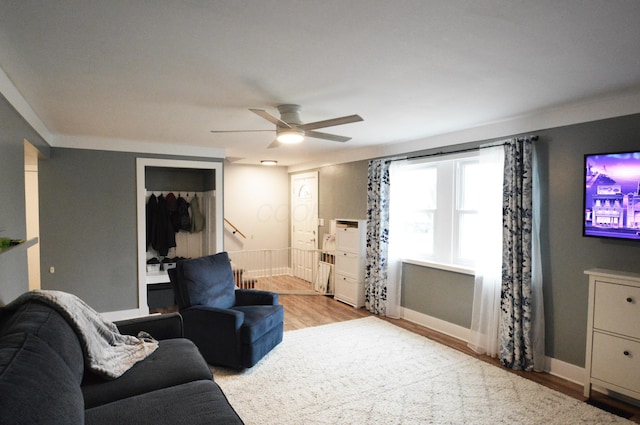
267 116
274 144
326 136
239 131
330 123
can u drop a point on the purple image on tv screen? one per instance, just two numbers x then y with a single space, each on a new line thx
612 195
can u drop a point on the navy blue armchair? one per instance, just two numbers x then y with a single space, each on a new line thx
231 327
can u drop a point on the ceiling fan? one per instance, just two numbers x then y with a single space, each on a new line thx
290 128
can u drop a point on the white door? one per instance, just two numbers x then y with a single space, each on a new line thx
304 224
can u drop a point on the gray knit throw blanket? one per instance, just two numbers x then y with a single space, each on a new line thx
106 351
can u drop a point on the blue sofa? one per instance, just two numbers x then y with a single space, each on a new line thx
43 379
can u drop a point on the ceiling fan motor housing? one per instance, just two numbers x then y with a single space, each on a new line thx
290 114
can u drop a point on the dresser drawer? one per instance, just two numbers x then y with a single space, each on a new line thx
348 239
349 290
617 309
349 264
616 361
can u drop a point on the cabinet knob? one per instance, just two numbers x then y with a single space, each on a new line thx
626 353
629 299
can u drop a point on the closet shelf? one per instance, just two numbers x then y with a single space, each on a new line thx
157 277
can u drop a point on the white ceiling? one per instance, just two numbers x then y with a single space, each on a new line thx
164 73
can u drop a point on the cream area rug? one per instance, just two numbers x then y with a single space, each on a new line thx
368 371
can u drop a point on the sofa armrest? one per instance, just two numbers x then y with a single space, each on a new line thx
255 297
159 326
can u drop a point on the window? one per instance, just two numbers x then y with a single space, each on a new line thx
434 209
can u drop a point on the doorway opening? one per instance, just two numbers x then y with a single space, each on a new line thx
162 176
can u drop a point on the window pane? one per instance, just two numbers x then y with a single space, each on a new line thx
469 185
420 188
418 231
467 236
413 203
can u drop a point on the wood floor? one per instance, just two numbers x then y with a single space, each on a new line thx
302 311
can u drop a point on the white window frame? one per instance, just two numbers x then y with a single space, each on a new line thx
446 231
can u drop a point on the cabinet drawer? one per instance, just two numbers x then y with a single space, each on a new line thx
617 309
610 363
348 239
349 265
349 290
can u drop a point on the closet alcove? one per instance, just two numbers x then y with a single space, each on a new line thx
182 178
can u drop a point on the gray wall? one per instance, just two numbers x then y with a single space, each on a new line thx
566 254
88 225
341 193
443 294
13 264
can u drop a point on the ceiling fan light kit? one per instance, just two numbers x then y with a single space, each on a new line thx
290 136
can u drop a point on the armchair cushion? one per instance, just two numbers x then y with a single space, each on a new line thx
207 281
258 320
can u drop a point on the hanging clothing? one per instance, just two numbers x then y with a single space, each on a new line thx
152 218
184 220
197 219
172 209
164 236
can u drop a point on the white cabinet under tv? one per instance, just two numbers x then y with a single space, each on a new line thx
613 332
349 261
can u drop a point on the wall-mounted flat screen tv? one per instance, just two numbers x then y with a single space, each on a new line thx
612 195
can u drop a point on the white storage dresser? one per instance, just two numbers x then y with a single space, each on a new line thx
613 332
349 262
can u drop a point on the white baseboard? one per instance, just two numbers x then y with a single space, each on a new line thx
439 325
552 366
564 370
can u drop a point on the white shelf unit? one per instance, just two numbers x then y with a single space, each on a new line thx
613 332
349 261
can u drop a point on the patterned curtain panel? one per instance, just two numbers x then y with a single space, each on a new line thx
375 283
516 346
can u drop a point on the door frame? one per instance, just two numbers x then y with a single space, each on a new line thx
141 164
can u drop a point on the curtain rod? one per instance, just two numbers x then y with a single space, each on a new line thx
427 155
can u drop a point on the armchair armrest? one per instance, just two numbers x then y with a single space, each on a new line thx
161 326
255 297
215 331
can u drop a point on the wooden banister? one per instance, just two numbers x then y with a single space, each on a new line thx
235 229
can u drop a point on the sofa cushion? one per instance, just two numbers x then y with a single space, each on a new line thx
47 324
36 384
207 281
194 403
259 319
176 361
